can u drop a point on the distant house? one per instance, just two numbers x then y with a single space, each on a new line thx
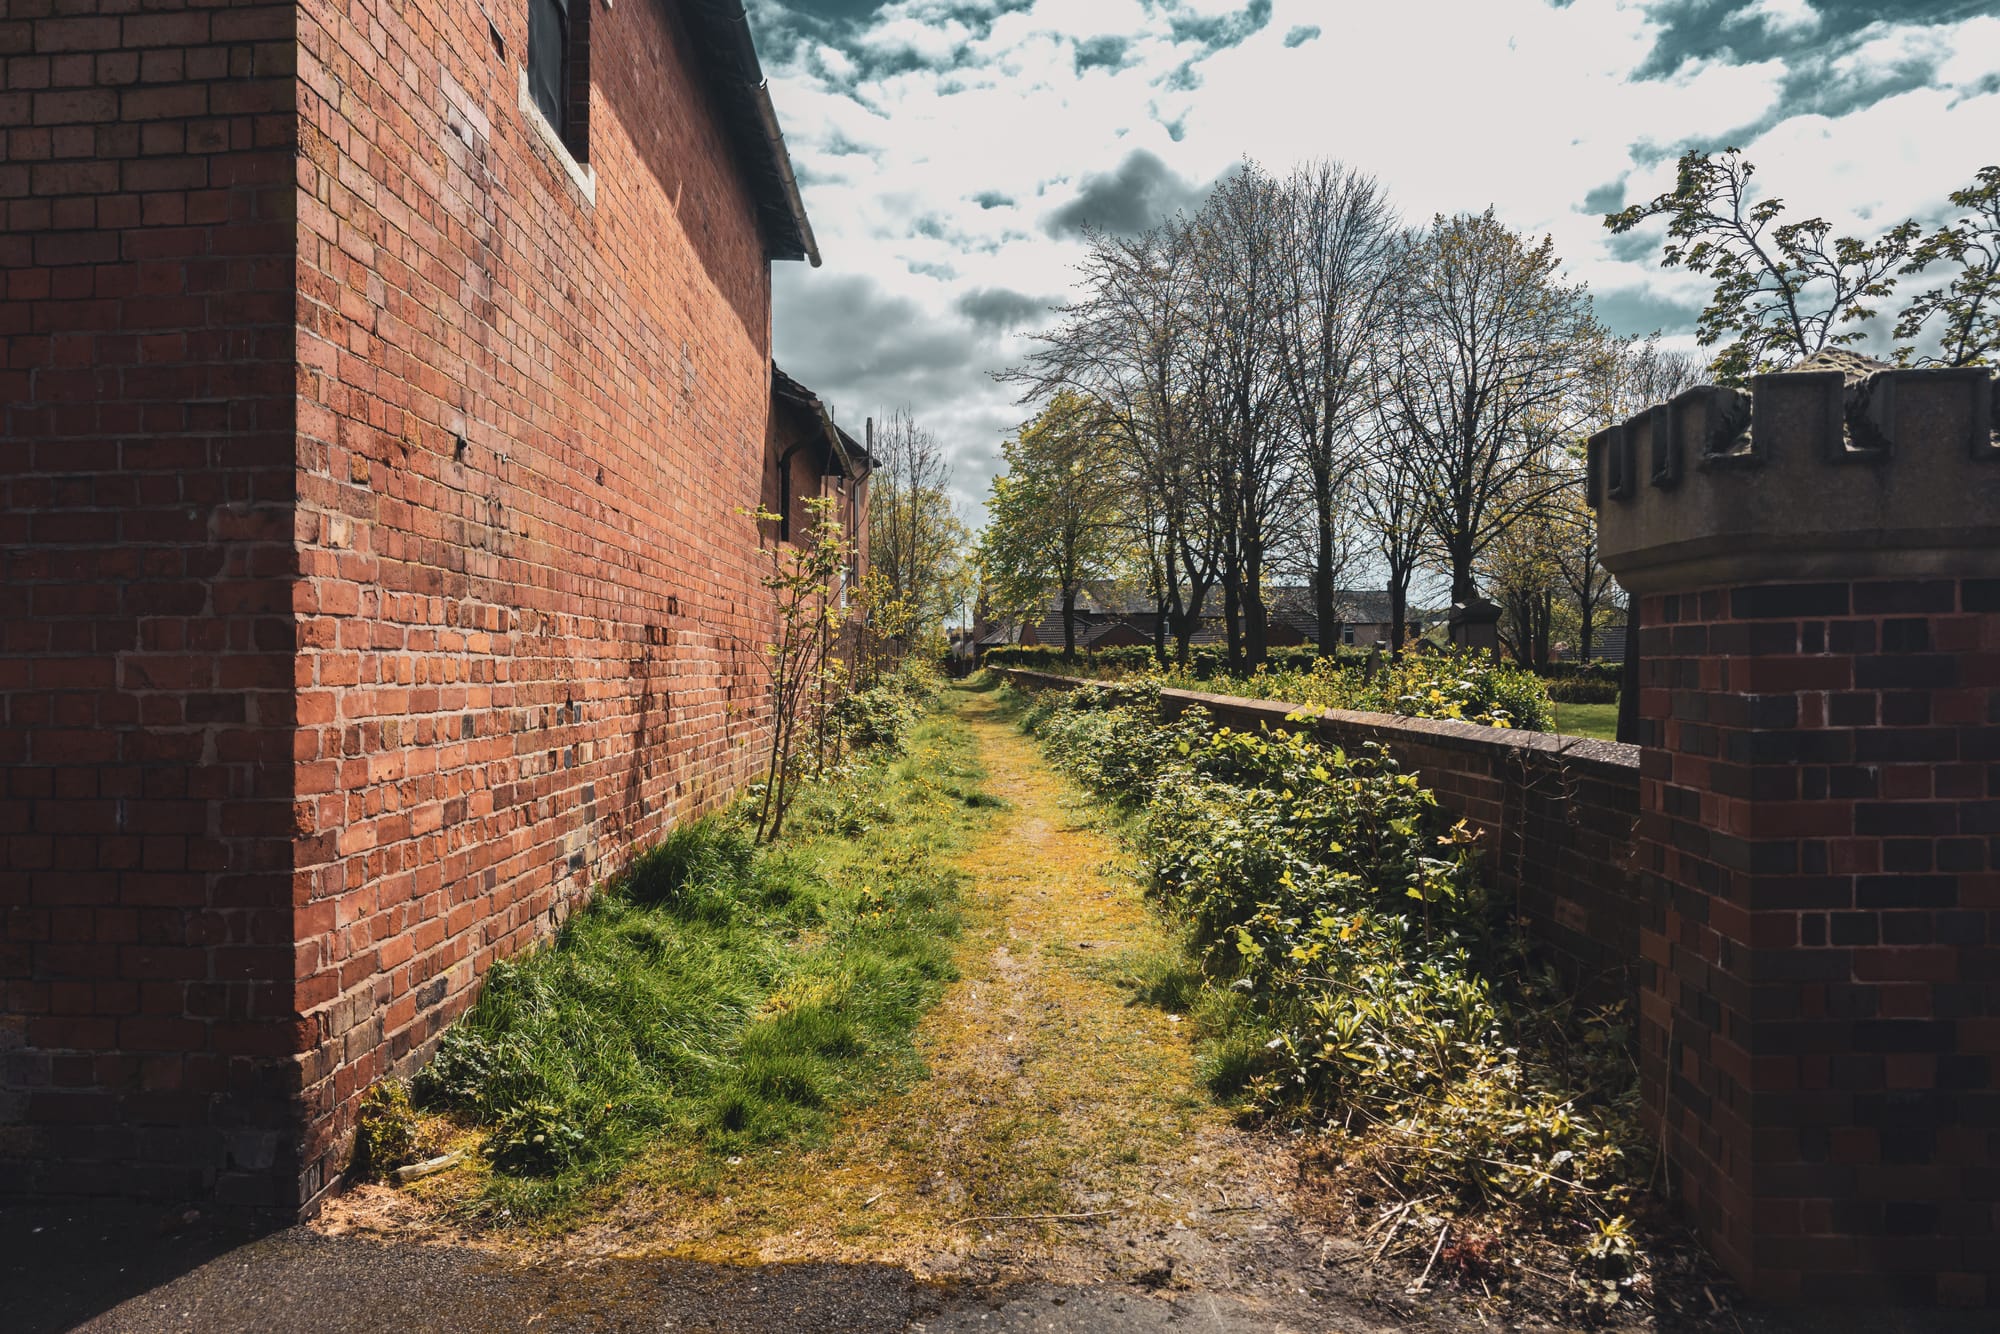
1363 615
1607 644
1111 616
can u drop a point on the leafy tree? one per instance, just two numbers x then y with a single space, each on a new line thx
1783 290
1967 310
1525 576
805 676
1053 517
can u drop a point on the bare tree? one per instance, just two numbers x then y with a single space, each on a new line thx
1239 259
1340 237
915 541
1125 344
1489 372
1388 504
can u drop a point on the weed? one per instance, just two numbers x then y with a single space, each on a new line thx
387 1134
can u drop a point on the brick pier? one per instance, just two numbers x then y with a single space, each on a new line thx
1816 568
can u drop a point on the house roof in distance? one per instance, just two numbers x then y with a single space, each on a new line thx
721 29
1295 605
854 459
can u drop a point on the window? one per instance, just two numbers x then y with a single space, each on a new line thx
1347 635
559 69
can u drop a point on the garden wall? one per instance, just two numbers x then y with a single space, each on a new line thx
1557 814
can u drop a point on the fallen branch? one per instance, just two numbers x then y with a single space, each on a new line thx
1034 1218
1394 1228
1424 1277
418 1171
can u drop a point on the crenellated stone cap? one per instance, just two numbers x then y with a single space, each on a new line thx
1841 468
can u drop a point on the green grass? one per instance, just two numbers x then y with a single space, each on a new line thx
720 994
1593 720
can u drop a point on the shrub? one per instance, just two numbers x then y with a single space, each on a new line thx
880 716
1355 973
1205 661
1583 690
1468 687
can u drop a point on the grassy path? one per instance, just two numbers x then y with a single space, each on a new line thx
1059 1138
1055 1088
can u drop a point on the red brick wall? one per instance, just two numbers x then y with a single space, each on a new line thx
1822 825
145 620
529 617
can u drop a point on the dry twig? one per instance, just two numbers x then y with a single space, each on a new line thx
1033 1218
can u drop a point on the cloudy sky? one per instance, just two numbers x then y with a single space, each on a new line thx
950 151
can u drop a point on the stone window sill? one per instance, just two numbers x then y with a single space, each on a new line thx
581 174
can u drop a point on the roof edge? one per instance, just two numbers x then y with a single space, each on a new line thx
742 74
846 449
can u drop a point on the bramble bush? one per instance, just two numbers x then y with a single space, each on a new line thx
880 717
1354 972
1468 687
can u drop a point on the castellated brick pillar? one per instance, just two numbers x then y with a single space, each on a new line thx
1816 570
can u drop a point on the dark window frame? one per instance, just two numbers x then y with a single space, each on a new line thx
559 80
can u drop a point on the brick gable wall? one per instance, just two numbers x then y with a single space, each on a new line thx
146 635
375 579
529 619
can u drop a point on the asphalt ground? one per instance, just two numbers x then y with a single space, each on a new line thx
134 1270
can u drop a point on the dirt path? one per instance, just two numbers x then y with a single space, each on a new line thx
1062 1136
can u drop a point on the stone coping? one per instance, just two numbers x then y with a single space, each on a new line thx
1614 757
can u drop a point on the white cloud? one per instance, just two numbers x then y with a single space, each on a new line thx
1780 18
938 139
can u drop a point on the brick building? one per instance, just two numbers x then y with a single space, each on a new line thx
384 389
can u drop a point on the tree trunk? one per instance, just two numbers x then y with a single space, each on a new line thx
1069 622
1187 620
1256 622
1463 588
1232 621
1329 632
1628 691
1399 609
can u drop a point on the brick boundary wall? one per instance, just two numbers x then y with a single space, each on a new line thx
1558 815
